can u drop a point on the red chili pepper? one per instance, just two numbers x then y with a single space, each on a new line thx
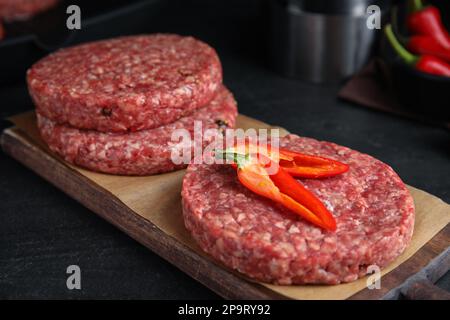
299 164
425 63
280 187
427 21
425 45
433 65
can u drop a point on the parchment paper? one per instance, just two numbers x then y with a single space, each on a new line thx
157 198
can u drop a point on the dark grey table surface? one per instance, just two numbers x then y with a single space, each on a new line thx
42 231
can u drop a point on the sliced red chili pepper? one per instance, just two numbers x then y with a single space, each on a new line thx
280 187
299 164
309 166
293 188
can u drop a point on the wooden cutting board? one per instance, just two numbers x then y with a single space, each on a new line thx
148 209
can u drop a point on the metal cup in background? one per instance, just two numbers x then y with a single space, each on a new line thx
321 41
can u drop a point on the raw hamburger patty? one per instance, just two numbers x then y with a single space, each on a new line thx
11 10
125 84
138 153
372 207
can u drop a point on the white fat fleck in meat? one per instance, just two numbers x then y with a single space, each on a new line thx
328 205
293 229
280 224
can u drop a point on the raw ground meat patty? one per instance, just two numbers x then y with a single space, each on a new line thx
125 84
265 241
11 10
138 153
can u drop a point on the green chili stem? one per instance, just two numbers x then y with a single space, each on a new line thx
407 56
417 5
237 158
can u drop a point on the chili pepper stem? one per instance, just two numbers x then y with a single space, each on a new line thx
239 159
407 56
417 5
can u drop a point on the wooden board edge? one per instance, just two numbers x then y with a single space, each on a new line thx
421 259
227 284
421 286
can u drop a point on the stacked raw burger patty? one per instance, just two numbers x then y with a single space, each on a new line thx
112 105
136 153
373 209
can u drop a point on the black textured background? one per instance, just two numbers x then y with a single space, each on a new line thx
42 231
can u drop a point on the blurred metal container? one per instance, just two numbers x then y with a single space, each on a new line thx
321 41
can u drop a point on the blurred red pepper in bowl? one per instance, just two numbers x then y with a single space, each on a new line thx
427 21
414 87
425 45
425 63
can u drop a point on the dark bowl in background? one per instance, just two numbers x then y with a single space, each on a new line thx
418 91
29 40
424 93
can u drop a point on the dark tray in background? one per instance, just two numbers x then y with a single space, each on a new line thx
27 41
